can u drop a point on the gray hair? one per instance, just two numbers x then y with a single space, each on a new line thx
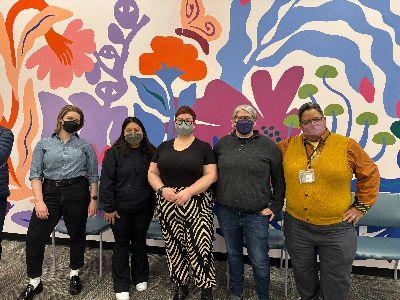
308 106
247 108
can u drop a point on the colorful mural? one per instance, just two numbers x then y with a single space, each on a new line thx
146 58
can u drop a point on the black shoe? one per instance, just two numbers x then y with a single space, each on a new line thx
75 286
207 294
30 291
181 292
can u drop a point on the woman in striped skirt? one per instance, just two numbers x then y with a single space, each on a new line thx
182 171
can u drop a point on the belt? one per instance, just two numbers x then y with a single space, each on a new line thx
64 182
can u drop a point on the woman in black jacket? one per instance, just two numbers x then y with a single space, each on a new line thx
128 204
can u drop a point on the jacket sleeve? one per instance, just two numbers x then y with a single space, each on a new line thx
367 175
107 181
277 180
6 144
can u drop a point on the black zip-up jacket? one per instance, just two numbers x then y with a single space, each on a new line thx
123 182
247 171
6 143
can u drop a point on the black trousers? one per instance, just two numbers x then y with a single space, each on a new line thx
130 233
72 203
3 206
336 246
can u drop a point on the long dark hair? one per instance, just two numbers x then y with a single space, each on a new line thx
145 147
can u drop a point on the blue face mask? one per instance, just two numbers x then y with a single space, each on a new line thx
244 126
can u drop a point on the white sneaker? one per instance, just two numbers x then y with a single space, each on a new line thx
140 287
122 296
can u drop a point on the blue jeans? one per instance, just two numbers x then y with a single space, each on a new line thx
239 227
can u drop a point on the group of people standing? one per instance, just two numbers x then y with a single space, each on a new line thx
246 175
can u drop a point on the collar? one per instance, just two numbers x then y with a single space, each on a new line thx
322 139
55 135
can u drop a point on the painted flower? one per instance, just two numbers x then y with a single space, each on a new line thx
173 53
76 61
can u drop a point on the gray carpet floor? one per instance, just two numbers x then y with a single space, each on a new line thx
13 279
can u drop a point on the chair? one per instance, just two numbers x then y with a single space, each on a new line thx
385 213
154 232
95 226
276 240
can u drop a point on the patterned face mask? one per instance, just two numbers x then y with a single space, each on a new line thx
134 138
184 128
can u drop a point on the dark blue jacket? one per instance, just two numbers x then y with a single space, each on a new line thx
6 143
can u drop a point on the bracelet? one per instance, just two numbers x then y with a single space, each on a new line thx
159 191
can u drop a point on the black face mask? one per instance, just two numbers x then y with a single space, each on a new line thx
70 126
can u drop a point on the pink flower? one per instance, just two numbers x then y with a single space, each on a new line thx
65 55
273 104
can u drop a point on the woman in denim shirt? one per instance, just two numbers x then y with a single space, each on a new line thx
64 180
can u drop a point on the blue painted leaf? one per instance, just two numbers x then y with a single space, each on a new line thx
231 57
269 19
187 96
154 127
151 93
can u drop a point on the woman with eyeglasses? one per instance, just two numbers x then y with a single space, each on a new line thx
320 214
250 192
181 172
64 182
128 204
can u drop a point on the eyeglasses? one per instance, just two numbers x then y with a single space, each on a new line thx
309 122
188 122
243 118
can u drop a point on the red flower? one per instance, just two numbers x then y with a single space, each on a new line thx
172 52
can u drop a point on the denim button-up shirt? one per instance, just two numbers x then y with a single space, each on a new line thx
56 160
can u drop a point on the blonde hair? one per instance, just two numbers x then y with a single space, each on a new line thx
66 109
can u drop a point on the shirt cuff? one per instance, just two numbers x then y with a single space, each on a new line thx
360 206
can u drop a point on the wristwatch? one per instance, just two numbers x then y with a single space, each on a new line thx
159 191
94 197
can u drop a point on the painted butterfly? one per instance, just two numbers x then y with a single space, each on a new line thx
198 26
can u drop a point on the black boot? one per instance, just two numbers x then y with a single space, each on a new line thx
181 292
30 291
206 294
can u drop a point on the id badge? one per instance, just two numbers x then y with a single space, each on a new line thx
306 176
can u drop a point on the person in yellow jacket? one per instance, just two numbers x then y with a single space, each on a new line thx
320 214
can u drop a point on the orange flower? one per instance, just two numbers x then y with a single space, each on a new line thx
172 52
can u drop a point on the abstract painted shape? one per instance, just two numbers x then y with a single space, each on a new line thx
334 110
367 90
61 73
198 26
366 119
172 52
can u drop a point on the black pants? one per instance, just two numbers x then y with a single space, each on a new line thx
72 203
130 233
3 206
336 246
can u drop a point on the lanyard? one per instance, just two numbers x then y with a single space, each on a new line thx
315 150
